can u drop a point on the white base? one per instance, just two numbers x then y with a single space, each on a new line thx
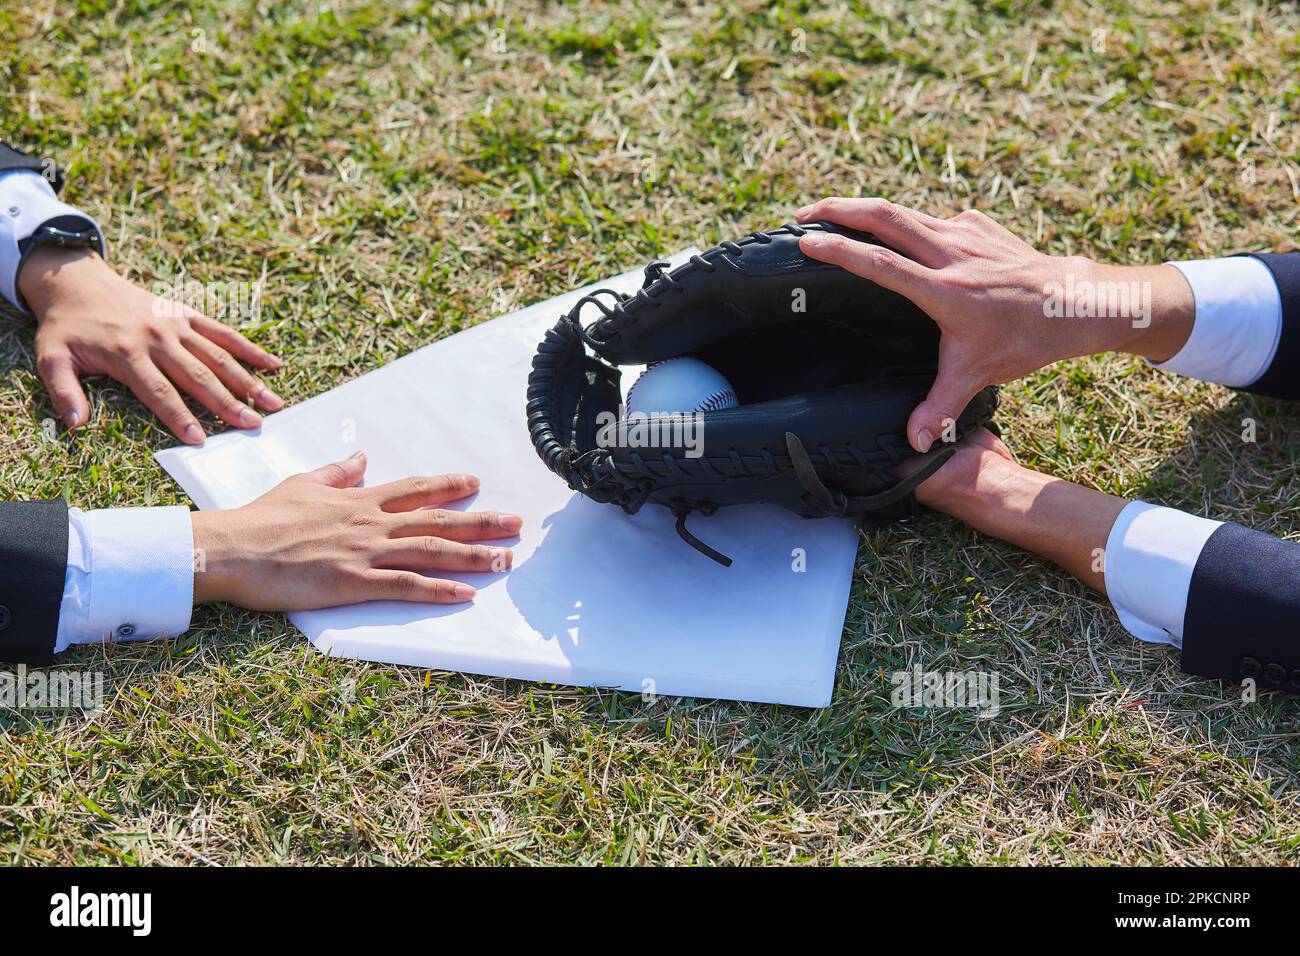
596 597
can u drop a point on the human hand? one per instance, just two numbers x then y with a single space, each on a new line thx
979 463
983 486
989 292
315 540
91 321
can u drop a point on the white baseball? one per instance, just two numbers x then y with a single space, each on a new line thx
681 384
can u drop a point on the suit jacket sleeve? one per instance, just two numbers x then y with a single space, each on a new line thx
14 158
33 564
1243 603
1282 377
1243 608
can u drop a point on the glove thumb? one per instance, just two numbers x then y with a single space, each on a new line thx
935 418
340 474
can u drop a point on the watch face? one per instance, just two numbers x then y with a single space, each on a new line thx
52 235
80 235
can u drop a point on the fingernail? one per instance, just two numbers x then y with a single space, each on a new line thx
502 558
249 419
802 211
71 418
469 481
194 434
510 522
924 440
812 240
275 360
356 454
463 591
269 400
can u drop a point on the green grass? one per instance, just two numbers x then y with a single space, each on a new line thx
499 154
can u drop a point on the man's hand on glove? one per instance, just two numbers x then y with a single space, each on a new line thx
825 365
987 291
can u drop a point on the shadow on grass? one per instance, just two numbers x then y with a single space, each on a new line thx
937 595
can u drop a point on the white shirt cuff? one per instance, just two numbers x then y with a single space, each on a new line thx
1238 321
130 575
27 202
1151 553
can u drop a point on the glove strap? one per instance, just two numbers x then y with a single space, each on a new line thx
835 503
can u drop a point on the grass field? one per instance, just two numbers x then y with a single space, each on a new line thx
401 170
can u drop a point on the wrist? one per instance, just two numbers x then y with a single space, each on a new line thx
989 494
1153 309
968 486
1064 522
214 556
1099 303
47 270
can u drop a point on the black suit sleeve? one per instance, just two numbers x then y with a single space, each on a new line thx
13 158
1243 609
1243 603
33 564
33 534
1282 377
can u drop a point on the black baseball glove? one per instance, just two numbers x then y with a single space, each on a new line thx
826 367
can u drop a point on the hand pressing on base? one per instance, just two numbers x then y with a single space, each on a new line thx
316 540
91 321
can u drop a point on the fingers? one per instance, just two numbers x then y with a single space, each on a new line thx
160 397
230 373
430 553
232 342
424 491
906 229
190 374
983 438
340 474
934 419
457 525
409 586
60 376
882 266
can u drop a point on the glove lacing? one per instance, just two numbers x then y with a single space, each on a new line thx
658 281
831 503
681 510
616 488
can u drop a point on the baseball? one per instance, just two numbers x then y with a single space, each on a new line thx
680 384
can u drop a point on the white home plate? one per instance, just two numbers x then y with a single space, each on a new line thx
596 597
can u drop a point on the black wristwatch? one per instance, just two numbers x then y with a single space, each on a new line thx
69 232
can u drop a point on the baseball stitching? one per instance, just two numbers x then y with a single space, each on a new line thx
718 401
714 403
